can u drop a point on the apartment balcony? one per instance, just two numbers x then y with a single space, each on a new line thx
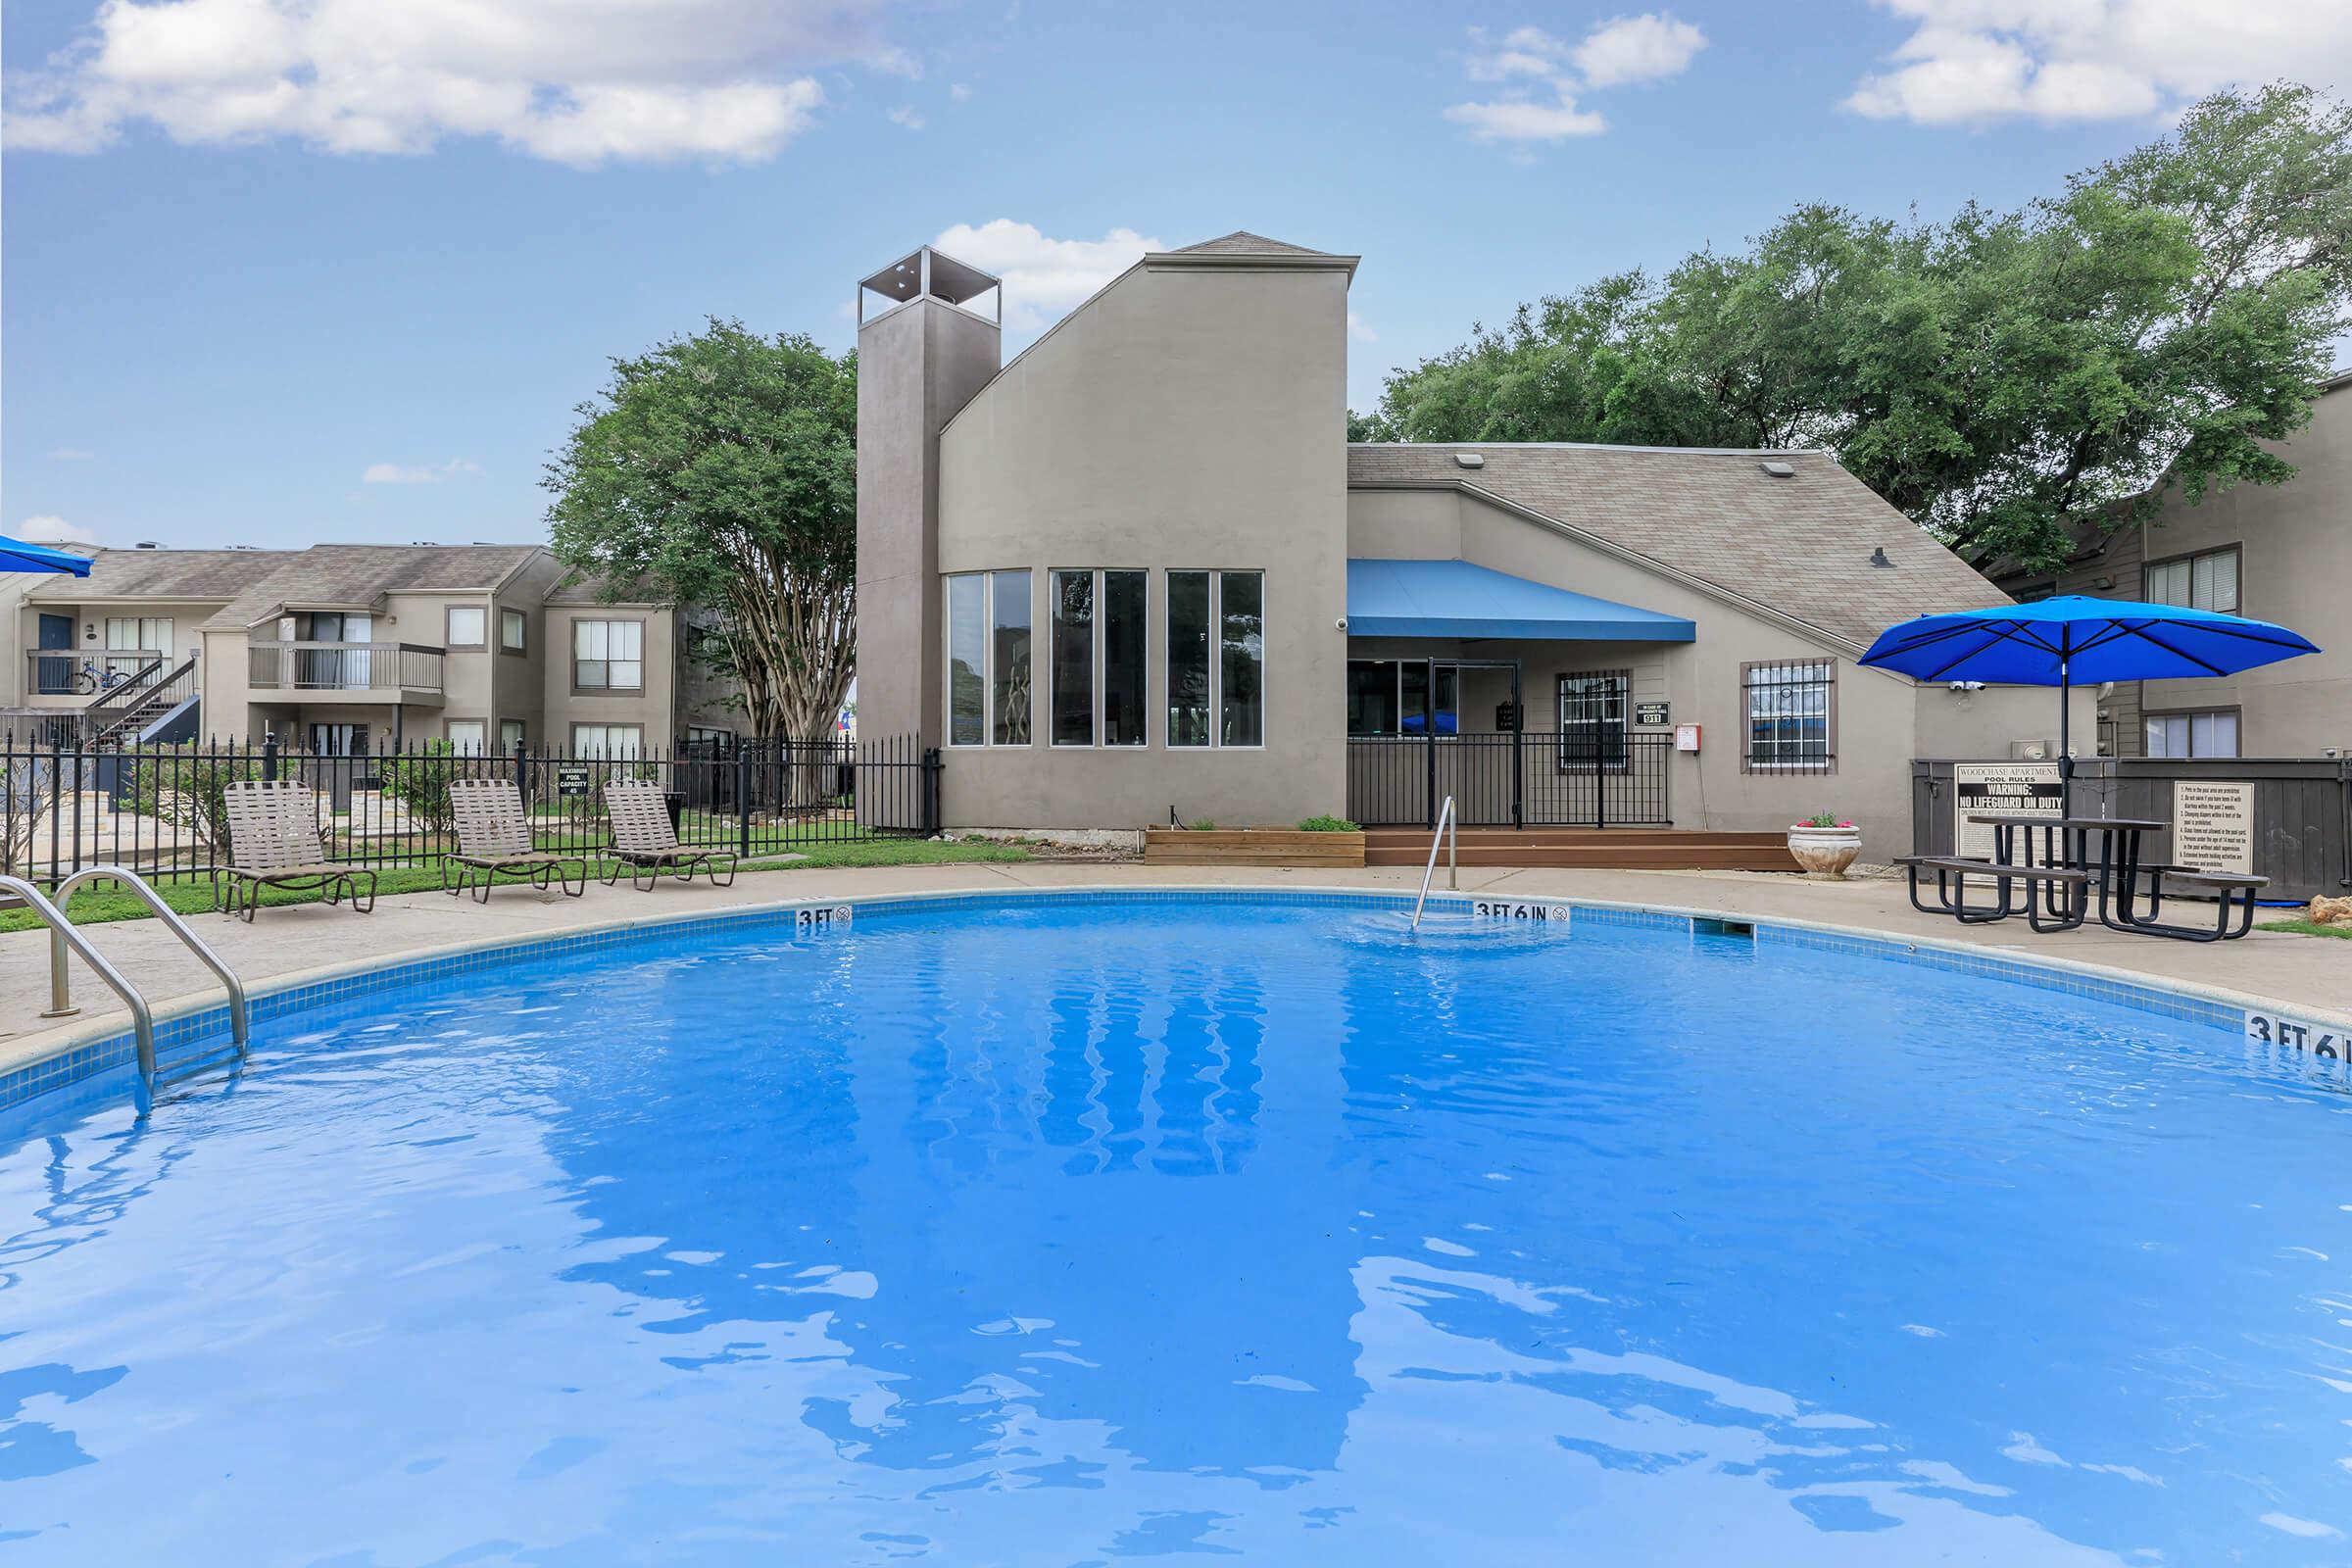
351 672
74 677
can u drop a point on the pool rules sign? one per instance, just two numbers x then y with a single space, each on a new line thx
2006 789
2213 825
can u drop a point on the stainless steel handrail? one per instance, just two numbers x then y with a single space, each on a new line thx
64 938
1449 832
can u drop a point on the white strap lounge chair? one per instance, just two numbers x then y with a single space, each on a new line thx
494 840
644 841
273 842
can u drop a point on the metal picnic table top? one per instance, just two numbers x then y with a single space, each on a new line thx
2069 823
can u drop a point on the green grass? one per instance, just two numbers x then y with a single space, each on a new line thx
98 905
2309 928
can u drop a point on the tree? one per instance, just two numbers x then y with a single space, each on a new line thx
1999 376
720 470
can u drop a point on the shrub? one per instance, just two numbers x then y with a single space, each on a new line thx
1824 819
1328 824
182 787
420 782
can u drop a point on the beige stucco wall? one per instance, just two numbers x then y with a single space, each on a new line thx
2296 559
654 708
1186 417
1882 721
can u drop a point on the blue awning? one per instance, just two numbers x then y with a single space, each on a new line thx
1455 599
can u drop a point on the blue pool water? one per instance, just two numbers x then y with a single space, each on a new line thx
1051 1234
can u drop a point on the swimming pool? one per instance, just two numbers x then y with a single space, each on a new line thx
1059 1230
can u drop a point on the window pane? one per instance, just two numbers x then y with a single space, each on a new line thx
1412 685
2224 735
2200 734
1242 607
627 675
588 639
2200 582
2166 584
2225 586
1124 652
967 660
464 625
628 639
511 629
1009 696
1449 715
1371 697
465 736
1788 716
588 673
1073 658
509 735
1187 659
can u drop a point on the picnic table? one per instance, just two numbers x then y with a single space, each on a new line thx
2065 882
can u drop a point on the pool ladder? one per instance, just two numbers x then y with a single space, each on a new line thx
1449 832
64 938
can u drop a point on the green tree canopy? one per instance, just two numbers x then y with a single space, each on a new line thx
722 470
1998 376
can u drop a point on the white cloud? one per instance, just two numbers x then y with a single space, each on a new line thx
1044 277
907 115
645 80
430 474
1975 61
1357 331
73 455
47 530
960 93
1543 74
1645 48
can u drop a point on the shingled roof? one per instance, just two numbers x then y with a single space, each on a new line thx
1801 545
356 576
1241 242
178 574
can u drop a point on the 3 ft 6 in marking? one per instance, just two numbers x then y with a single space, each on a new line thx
2276 1029
1505 909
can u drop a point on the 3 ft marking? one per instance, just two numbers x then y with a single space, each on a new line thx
817 922
1505 910
2276 1029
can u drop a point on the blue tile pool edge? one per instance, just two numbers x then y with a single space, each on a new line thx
78 1061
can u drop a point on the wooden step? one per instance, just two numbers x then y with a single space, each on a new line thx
1592 849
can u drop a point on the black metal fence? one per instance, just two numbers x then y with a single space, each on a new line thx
1582 777
156 810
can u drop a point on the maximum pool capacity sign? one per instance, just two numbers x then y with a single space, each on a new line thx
2007 789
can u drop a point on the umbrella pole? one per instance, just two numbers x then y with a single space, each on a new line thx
2066 750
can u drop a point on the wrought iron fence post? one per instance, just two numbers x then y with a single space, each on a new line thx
269 756
743 799
930 788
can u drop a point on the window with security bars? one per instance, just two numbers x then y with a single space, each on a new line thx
1593 718
1791 710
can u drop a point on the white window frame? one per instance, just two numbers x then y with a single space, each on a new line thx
449 626
1217 659
988 659
1099 670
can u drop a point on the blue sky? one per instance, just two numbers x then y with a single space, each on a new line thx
277 272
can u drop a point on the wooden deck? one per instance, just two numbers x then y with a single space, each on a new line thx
1616 849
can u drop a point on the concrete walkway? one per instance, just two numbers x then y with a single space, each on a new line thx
2312 974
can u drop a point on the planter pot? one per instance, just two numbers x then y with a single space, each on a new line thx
1251 845
1824 851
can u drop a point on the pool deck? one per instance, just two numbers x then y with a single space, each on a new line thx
2310 974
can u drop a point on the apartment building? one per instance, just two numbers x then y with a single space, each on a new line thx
2281 553
355 649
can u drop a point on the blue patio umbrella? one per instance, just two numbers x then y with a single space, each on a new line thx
17 555
2072 640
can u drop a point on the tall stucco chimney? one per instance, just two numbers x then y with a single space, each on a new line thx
927 341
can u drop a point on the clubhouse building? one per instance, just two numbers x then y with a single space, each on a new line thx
1139 572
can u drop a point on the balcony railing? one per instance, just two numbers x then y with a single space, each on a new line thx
343 668
86 672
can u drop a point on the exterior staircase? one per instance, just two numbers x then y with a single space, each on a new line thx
1613 849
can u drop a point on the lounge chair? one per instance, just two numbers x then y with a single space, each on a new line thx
644 841
494 840
273 842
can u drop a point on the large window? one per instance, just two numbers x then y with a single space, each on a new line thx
466 736
1790 710
514 631
128 638
606 740
1098 653
1593 714
1217 659
2210 734
608 656
465 626
509 735
2206 580
1402 696
989 656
